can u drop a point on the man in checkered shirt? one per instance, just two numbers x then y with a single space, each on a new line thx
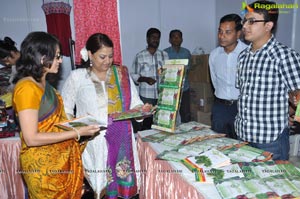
267 72
146 66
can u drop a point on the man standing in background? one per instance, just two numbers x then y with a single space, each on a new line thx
146 66
223 69
175 51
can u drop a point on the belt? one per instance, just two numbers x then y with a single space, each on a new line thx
226 102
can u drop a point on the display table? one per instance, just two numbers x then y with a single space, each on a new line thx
165 179
237 169
11 183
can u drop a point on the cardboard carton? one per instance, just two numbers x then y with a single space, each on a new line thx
204 117
201 96
199 71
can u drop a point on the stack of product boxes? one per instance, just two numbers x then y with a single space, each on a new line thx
201 89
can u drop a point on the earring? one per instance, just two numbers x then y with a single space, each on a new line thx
91 63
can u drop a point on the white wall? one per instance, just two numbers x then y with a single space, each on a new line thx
296 28
17 19
285 23
198 20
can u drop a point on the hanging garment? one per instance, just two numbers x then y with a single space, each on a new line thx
58 23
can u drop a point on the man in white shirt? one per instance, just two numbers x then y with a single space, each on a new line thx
223 68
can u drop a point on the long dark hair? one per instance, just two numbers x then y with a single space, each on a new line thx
94 43
36 46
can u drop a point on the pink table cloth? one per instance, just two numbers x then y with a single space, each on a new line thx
11 183
159 179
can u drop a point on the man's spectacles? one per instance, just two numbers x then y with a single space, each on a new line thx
58 56
252 21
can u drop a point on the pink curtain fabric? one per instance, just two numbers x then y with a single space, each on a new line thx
96 16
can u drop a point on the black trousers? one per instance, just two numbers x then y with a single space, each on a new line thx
147 122
185 111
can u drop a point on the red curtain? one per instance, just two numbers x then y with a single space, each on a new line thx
91 16
58 23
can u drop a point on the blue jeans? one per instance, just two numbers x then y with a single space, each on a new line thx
280 147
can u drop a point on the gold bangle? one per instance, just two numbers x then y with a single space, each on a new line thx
78 135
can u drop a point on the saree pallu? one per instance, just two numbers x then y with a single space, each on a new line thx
121 177
55 170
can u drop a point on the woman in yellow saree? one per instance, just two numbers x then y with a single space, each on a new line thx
50 158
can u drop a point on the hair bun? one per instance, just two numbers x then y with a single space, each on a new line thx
9 41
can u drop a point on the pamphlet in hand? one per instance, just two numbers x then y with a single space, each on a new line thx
80 122
132 113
